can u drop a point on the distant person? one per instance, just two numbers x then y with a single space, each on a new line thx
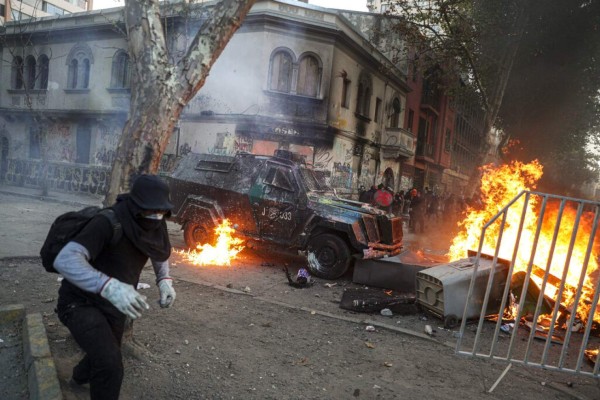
417 213
99 289
367 197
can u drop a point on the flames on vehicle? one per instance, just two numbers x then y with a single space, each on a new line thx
500 185
225 249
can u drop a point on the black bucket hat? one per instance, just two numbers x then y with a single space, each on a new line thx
150 192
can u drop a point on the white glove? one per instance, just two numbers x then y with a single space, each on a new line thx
125 298
167 293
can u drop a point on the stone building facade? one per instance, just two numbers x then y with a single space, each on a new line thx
294 76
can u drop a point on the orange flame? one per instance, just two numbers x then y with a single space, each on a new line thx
223 252
500 185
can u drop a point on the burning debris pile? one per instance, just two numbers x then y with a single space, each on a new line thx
549 245
559 242
222 252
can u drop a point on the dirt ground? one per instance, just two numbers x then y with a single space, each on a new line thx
242 332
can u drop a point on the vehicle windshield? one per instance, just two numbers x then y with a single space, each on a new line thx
314 180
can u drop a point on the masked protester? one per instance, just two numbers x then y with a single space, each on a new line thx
99 289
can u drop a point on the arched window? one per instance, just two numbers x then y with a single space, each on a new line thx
30 71
17 73
73 72
86 73
364 93
120 74
395 111
43 71
281 71
309 76
79 61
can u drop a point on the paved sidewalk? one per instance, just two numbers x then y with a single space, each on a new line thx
67 198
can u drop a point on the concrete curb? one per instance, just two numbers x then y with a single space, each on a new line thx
53 200
42 380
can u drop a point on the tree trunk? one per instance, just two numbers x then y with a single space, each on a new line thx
160 89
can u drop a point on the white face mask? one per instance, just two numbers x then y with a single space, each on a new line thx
154 216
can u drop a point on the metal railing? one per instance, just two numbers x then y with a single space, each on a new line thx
545 345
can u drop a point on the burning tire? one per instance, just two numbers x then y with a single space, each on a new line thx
328 256
195 233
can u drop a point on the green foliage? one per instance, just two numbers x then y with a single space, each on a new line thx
551 49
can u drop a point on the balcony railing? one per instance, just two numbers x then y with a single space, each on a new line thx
397 142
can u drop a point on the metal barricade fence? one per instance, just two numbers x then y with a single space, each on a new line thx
529 343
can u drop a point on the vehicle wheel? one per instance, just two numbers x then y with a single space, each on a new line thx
195 233
328 256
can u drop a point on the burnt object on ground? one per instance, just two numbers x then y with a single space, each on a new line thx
371 300
302 279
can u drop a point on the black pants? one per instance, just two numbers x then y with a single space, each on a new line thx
98 329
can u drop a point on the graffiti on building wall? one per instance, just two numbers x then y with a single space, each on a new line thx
58 176
323 157
225 144
341 176
185 149
106 144
243 144
60 143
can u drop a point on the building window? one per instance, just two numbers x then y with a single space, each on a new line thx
73 72
121 74
17 73
287 76
377 109
363 100
346 92
309 76
411 117
395 113
43 71
30 71
447 144
83 143
52 9
79 64
35 138
281 71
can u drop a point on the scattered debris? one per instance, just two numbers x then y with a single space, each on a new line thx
49 300
1 341
247 289
267 264
59 279
302 279
177 352
356 393
591 355
428 330
229 286
313 312
142 285
330 285
388 364
386 312
500 378
370 345
186 342
370 328
374 300
507 328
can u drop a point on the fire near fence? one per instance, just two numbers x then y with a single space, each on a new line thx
539 307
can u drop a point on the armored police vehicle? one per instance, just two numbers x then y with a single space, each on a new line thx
279 201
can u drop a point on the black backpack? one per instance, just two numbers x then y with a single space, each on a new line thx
66 226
